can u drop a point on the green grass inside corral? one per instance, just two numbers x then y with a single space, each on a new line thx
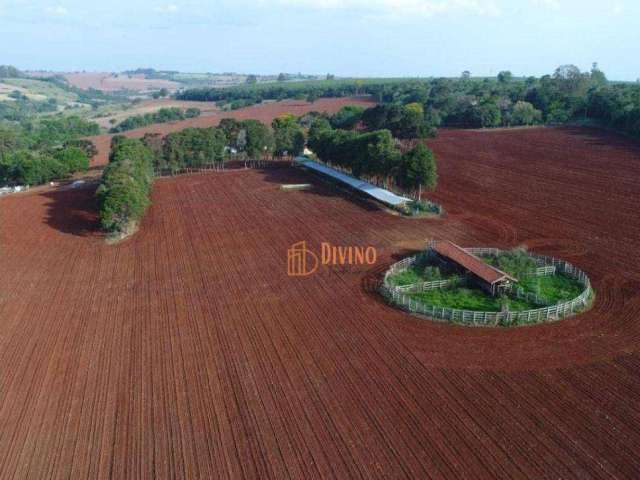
469 298
419 272
555 288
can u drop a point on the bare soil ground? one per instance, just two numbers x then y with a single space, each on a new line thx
187 351
110 82
264 112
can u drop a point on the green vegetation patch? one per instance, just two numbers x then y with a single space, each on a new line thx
555 288
419 272
470 298
125 187
44 89
420 208
516 262
41 150
163 115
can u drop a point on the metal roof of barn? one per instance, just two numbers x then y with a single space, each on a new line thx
471 263
380 194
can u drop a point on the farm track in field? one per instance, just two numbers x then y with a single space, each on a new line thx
188 352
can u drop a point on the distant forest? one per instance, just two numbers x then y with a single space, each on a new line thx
568 95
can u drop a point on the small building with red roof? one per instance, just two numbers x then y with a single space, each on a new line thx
488 277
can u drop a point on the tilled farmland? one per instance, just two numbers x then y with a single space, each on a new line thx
187 351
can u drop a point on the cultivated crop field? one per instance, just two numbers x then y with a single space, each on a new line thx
264 112
187 351
110 82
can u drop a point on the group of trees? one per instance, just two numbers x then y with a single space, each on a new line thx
253 92
9 71
124 191
125 188
42 150
288 135
22 108
163 115
33 167
404 121
246 139
249 138
566 95
163 92
192 148
373 154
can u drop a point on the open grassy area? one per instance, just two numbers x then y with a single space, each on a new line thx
417 273
555 288
411 275
469 299
41 90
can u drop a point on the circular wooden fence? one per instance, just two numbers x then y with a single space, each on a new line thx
400 295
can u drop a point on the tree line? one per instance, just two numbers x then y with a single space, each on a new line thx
125 187
238 139
123 195
163 115
375 155
567 95
39 151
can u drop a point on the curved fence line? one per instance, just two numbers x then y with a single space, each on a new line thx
398 295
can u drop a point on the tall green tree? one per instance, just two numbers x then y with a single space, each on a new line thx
505 77
347 117
259 139
418 170
288 135
523 113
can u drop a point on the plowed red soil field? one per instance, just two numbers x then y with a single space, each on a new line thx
187 351
264 112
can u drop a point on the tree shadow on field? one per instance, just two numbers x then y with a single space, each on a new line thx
73 211
601 137
320 186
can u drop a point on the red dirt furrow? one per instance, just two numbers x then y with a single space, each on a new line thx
556 455
187 351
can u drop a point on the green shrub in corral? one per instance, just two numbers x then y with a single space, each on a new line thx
468 297
516 262
419 272
553 288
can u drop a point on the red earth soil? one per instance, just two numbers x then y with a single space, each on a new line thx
109 82
264 112
187 351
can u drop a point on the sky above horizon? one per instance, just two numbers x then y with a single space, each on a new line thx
343 37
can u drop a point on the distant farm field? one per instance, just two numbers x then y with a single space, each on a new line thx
187 350
110 82
151 106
